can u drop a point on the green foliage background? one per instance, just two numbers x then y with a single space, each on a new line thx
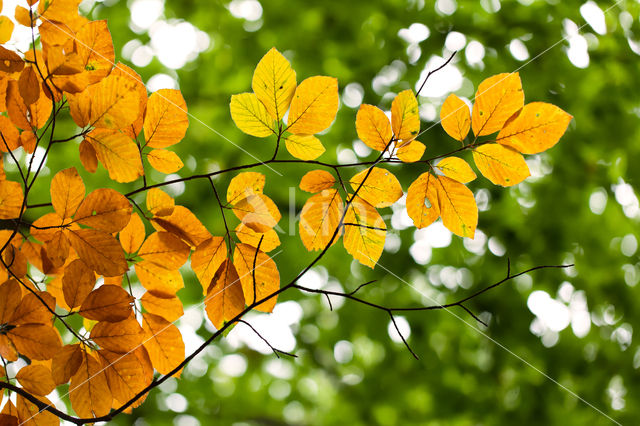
467 374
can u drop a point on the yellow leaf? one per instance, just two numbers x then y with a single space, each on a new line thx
125 374
159 203
36 341
121 337
184 224
457 169
207 258
6 29
22 16
320 218
380 188
94 48
457 207
132 235
251 116
107 303
166 120
243 185
159 279
317 180
247 235
274 82
264 275
88 156
67 192
258 212
373 127
497 99
36 379
164 343
405 118
77 283
118 153
11 198
65 363
500 164
225 299
169 308
422 201
364 232
164 161
165 249
89 391
411 152
30 415
314 105
304 147
537 128
114 101
455 117
10 61
104 209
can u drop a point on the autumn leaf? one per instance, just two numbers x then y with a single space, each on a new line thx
373 127
6 29
158 278
11 198
29 85
455 117
184 224
207 258
114 102
314 105
107 303
243 185
66 363
118 153
256 271
163 342
67 192
164 161
411 152
99 250
36 379
320 218
169 308
422 201
377 186
78 281
304 147
500 164
36 341
457 207
121 337
405 119
125 375
88 390
457 169
88 156
274 82
258 212
266 240
317 180
364 232
10 61
251 116
159 203
132 236
497 99
537 128
224 298
166 120
29 414
164 248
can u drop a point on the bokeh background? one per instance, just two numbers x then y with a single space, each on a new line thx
576 325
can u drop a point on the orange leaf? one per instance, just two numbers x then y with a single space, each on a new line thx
36 341
497 99
422 201
30 415
243 185
457 207
166 120
10 61
207 258
10 139
258 212
164 161
121 337
77 283
46 226
99 250
304 147
22 16
319 219
29 85
88 156
169 308
6 29
164 343
65 363
455 117
364 232
314 105
225 299
118 153
247 235
184 224
317 180
107 303
67 192
405 119
89 391
537 128
16 107
373 127
380 188
94 48
36 379
457 169
58 248
125 375
500 164
114 101
411 152
132 236
11 198
159 279
40 111
104 209
32 310
274 82
165 249
159 203
264 276
10 297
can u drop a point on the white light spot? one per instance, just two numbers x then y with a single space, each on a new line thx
142 56
474 53
352 95
145 13
185 420
161 81
518 50
477 245
250 10
594 16
403 326
176 403
436 235
441 83
496 247
233 365
279 368
629 245
446 7
175 43
343 352
455 41
361 149
347 156
554 315
421 252
415 33
491 6
174 189
598 201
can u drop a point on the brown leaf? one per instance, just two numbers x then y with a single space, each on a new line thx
36 379
107 303
89 391
121 337
104 209
100 251
77 283
224 299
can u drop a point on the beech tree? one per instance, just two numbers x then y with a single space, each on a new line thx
81 327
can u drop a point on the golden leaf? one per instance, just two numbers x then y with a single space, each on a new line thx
497 99
184 224
89 391
65 363
67 192
411 152
380 188
77 283
165 249
274 82
314 105
159 203
373 127
244 184
500 164
169 308
457 169
163 342
457 207
118 153
455 117
207 258
320 218
317 180
121 337
132 236
107 303
251 116
264 276
364 232
405 118
125 375
158 278
99 250
11 198
304 147
258 212
225 299
422 201
36 379
164 161
247 235
166 120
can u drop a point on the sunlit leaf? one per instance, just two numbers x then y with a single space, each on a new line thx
166 120
158 278
164 161
274 82
67 192
455 117
118 153
497 99
99 250
304 147
165 249
244 184
121 337
88 390
132 236
36 379
207 258
251 116
11 198
373 127
456 168
380 188
77 283
159 203
263 277
247 235
258 212
164 343
500 164
107 303
125 374
320 218
422 201
411 152
405 119
169 308
314 105
457 207
224 298
184 224
364 232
